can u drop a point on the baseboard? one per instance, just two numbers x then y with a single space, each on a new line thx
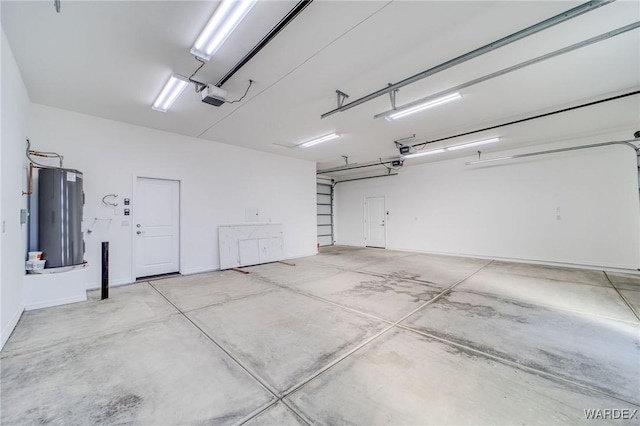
115 283
199 270
591 267
55 302
185 271
586 266
11 325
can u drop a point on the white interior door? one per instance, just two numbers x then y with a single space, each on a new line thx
157 226
375 222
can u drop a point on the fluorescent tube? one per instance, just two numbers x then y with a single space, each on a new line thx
470 144
422 153
403 112
316 141
220 26
171 91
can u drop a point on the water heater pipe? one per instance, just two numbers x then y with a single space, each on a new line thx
35 165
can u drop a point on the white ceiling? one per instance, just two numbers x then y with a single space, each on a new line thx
110 59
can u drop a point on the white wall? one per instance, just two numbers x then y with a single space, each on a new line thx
218 182
15 113
510 209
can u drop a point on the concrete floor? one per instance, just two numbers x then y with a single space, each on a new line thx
350 336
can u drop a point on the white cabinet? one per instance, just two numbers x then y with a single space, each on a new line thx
249 244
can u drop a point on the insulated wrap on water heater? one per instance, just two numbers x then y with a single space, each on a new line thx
60 203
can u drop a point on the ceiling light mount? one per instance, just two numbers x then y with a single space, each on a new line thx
392 97
341 97
199 86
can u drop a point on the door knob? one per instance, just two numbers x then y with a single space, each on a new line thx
138 225
140 232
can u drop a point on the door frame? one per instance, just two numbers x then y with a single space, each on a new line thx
134 197
364 220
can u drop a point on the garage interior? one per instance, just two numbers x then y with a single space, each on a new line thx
353 212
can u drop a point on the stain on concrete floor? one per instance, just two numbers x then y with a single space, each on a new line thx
508 361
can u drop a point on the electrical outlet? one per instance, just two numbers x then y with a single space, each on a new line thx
24 216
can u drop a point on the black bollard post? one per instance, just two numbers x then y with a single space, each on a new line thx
105 270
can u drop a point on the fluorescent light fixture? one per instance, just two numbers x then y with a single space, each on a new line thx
171 91
403 112
470 144
423 153
316 141
222 23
